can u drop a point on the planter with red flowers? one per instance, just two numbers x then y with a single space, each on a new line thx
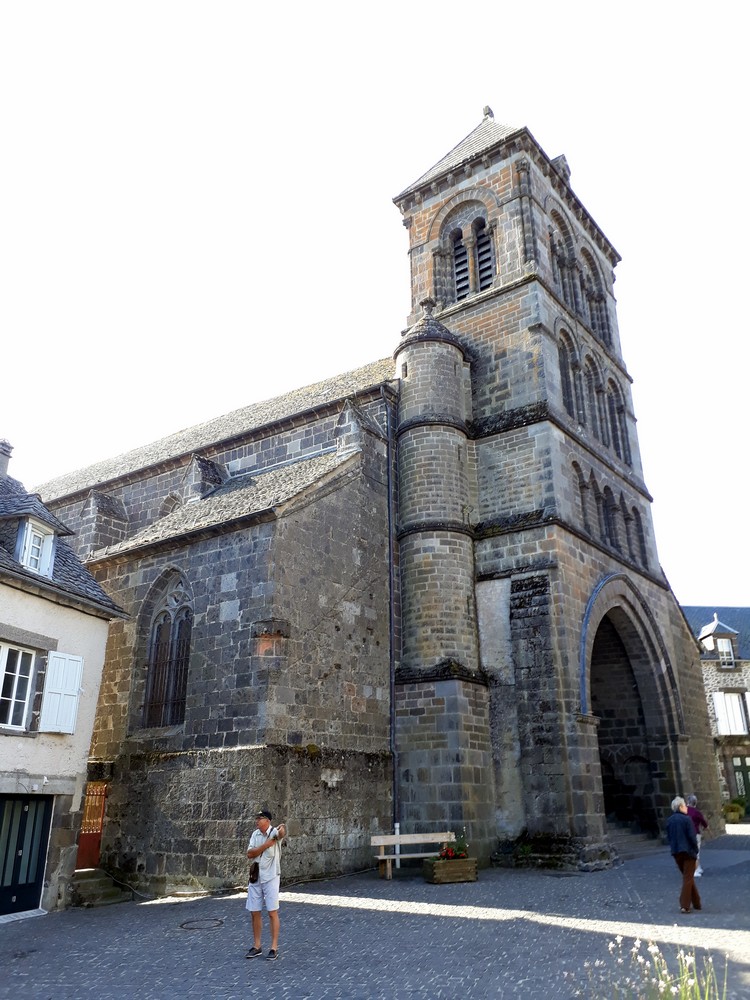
452 864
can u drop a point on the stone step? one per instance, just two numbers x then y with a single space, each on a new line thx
630 845
93 887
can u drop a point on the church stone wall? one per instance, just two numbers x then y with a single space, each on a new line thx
182 820
331 584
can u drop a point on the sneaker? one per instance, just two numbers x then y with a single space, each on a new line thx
683 910
254 952
272 955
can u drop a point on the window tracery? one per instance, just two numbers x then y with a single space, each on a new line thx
168 658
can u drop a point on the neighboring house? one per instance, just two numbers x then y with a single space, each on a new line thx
54 619
724 634
427 591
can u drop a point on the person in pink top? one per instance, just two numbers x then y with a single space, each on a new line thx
699 822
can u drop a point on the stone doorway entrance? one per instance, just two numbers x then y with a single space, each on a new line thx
624 745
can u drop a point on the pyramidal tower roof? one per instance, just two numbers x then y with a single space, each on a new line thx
487 134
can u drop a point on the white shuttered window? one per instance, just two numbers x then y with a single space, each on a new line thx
731 713
62 690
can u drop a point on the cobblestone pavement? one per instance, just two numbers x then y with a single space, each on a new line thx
513 934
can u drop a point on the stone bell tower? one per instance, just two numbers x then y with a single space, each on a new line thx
545 683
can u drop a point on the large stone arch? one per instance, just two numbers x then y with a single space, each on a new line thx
627 684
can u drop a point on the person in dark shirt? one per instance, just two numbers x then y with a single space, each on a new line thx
683 844
699 822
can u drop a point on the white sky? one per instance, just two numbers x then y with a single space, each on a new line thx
196 213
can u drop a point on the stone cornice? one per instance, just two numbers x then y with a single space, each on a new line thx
446 526
433 420
444 670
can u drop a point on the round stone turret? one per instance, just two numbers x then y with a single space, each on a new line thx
435 533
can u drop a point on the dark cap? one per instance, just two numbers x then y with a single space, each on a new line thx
265 814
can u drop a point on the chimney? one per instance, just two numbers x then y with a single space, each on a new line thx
5 451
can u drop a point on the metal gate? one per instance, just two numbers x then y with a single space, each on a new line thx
24 836
89 842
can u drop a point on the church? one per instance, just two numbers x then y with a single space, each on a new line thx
425 592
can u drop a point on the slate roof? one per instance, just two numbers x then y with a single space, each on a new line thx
15 502
736 619
487 134
68 573
238 499
231 425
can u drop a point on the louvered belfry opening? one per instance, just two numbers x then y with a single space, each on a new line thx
460 267
485 269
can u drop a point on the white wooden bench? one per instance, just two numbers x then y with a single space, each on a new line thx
385 861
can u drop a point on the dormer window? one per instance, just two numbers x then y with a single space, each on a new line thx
37 547
726 652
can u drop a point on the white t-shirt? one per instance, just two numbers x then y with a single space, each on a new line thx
270 859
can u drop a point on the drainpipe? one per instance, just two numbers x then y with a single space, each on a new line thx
391 612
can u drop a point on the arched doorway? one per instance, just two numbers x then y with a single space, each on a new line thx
627 783
627 685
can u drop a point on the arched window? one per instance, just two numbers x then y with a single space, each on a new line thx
460 266
593 300
640 538
566 377
168 659
618 422
465 261
584 493
592 384
171 503
627 520
483 250
611 511
563 260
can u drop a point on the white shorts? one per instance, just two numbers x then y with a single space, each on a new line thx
259 893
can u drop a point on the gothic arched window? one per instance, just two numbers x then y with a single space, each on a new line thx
168 660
